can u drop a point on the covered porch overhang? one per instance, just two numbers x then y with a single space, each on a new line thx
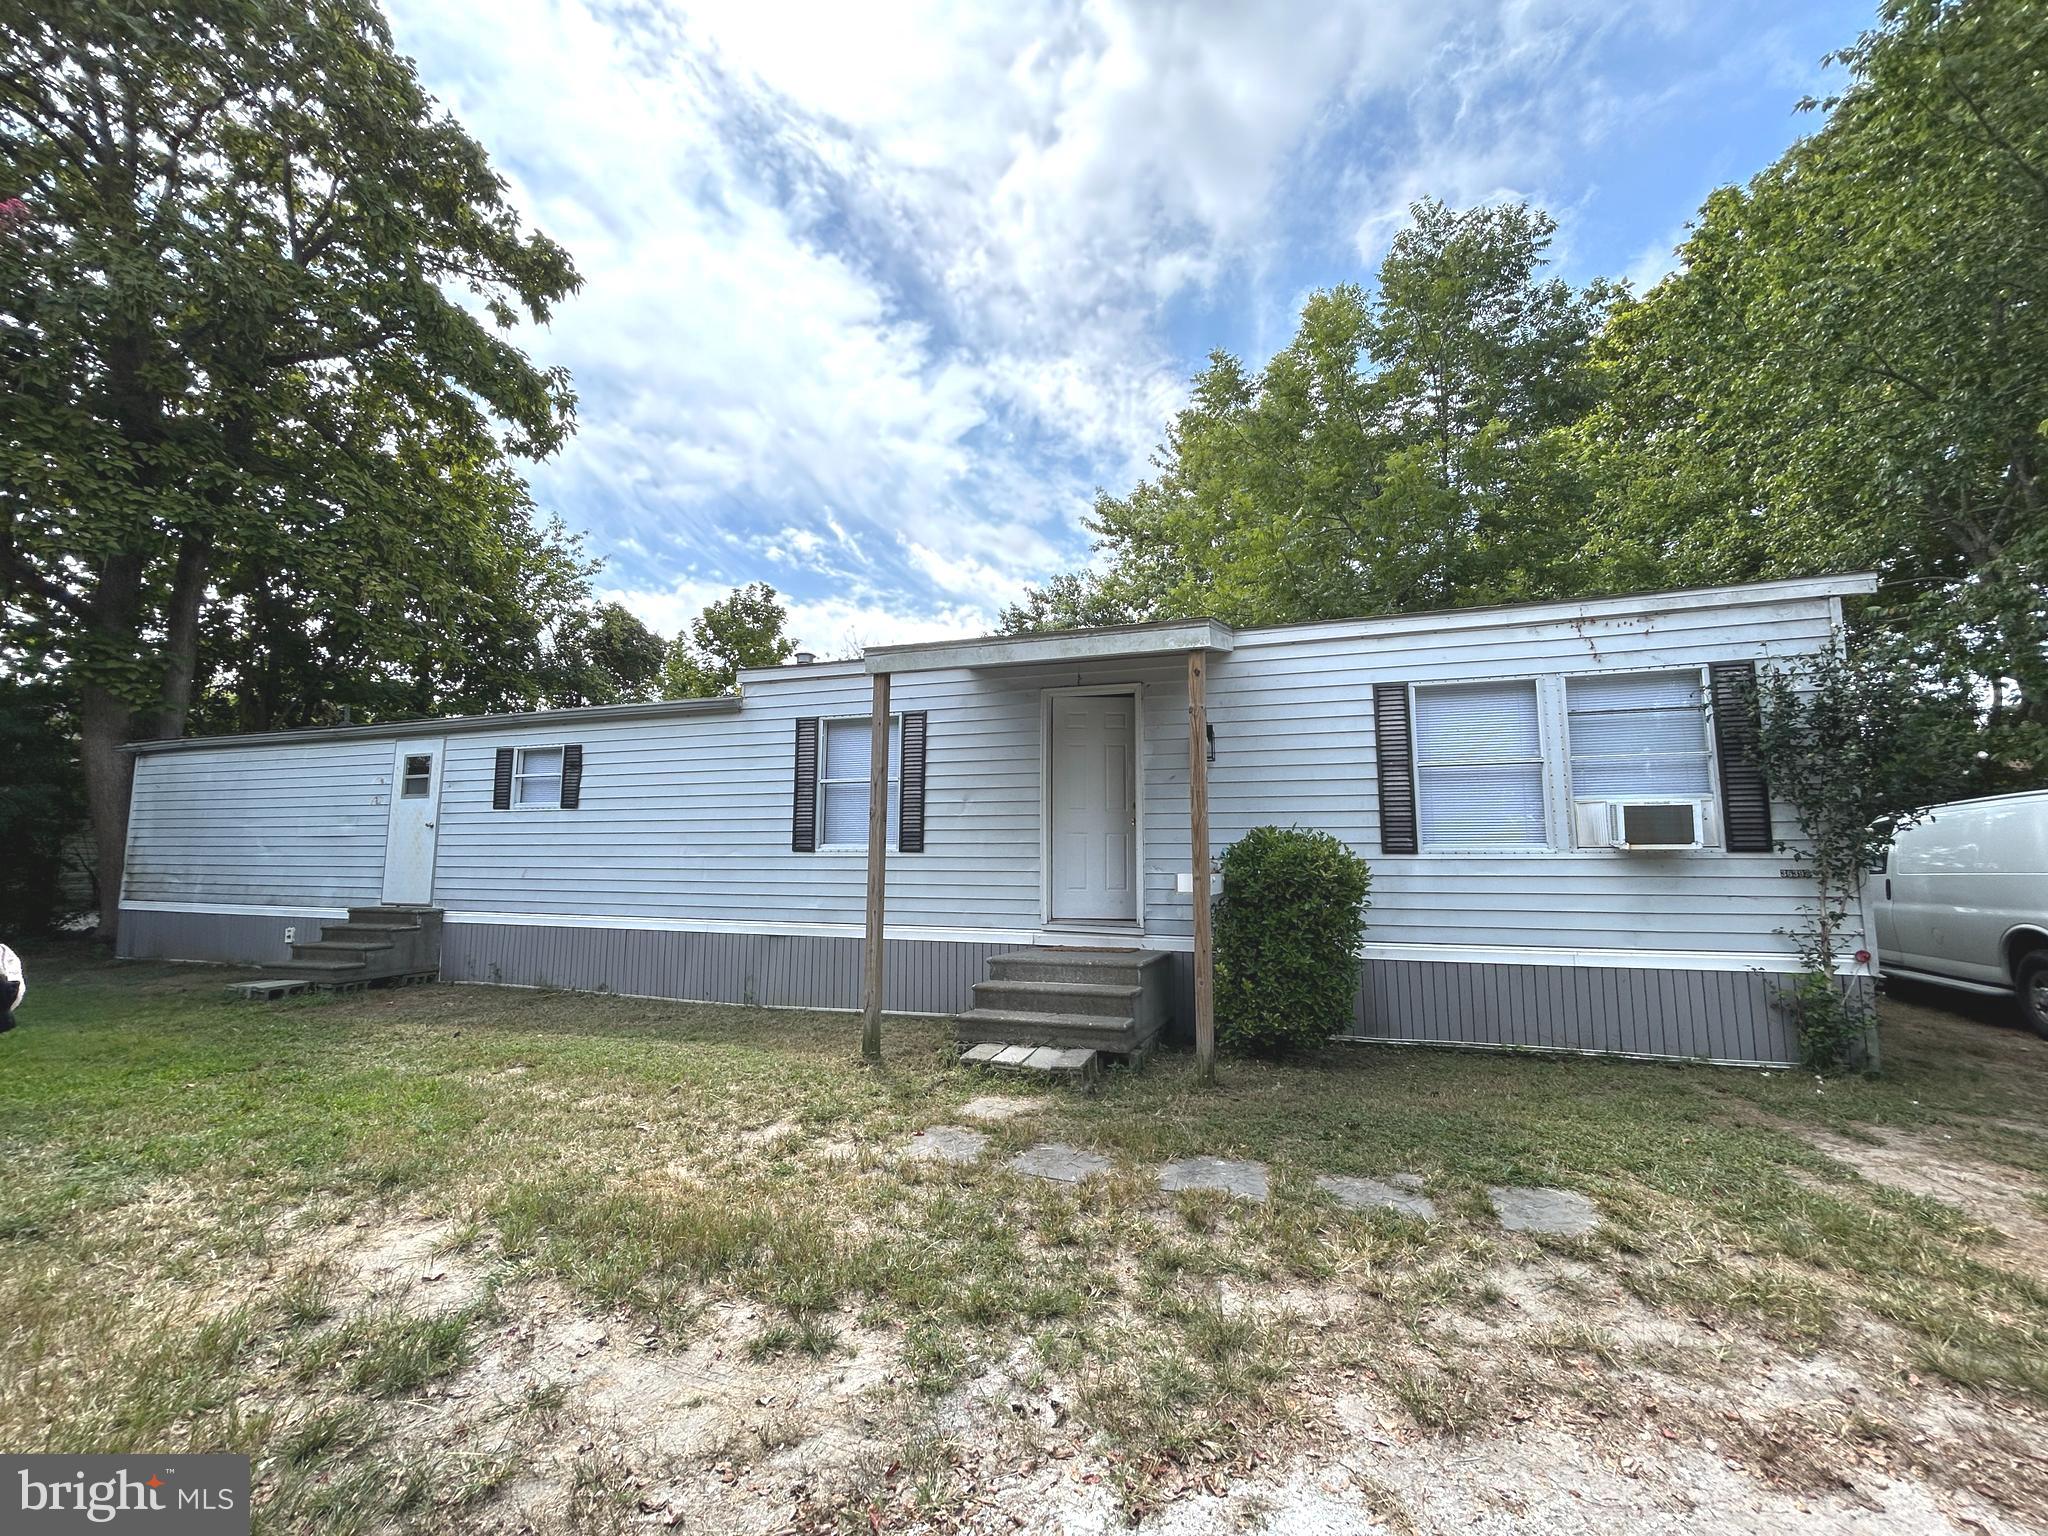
1196 639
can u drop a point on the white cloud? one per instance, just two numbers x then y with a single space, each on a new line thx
875 295
832 626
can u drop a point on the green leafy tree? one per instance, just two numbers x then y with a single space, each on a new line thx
41 810
250 277
744 629
1846 370
1398 454
1858 740
606 656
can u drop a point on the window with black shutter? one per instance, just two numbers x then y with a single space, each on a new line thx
803 833
1394 749
1745 797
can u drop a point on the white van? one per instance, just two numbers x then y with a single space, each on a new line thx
1962 900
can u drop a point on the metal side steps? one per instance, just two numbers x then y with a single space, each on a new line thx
373 946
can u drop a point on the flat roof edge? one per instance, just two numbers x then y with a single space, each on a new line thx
453 725
1165 637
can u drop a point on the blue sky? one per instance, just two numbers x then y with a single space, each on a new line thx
876 295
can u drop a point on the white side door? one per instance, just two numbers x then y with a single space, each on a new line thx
409 843
1092 799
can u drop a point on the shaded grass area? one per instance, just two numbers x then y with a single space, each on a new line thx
165 1144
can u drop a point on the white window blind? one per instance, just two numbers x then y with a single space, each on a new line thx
537 777
843 783
1479 766
1640 734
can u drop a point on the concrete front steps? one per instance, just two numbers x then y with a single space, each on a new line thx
373 944
1112 1001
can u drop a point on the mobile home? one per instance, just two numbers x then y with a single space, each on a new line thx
1571 847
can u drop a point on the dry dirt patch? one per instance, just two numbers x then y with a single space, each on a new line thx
1997 1196
405 1263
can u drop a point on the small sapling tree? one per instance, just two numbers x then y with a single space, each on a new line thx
1857 740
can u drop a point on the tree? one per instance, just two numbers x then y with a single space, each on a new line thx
744 629
1846 370
605 656
1858 740
40 809
1399 454
250 278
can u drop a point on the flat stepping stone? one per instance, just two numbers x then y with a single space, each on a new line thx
1247 1180
1552 1212
981 1055
997 1106
1399 1193
947 1144
1060 1163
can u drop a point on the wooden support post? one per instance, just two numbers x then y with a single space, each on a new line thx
1198 837
878 861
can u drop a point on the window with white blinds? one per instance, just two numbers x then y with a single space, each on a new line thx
843 782
1644 733
1479 766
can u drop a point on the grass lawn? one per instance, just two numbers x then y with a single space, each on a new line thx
472 1258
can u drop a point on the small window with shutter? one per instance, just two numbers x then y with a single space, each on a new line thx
843 783
537 778
830 810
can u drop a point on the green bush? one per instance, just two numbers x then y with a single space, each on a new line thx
1287 930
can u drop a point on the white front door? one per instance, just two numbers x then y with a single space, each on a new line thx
409 844
1092 760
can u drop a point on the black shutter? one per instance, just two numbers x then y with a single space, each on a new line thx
910 818
803 832
1745 798
1394 747
501 781
572 777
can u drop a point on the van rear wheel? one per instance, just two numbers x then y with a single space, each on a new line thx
2031 977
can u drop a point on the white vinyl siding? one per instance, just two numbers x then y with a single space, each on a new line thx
844 759
1479 766
537 779
1640 734
693 819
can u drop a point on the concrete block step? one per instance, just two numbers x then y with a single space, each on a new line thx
1084 998
1079 1062
269 989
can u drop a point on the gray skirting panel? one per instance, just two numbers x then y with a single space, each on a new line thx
1722 1016
1725 1016
237 938
769 970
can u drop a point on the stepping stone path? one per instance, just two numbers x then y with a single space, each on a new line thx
1244 1179
1400 1193
1060 1163
947 1144
1553 1212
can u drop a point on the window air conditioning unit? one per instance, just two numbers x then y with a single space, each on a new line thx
1642 826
